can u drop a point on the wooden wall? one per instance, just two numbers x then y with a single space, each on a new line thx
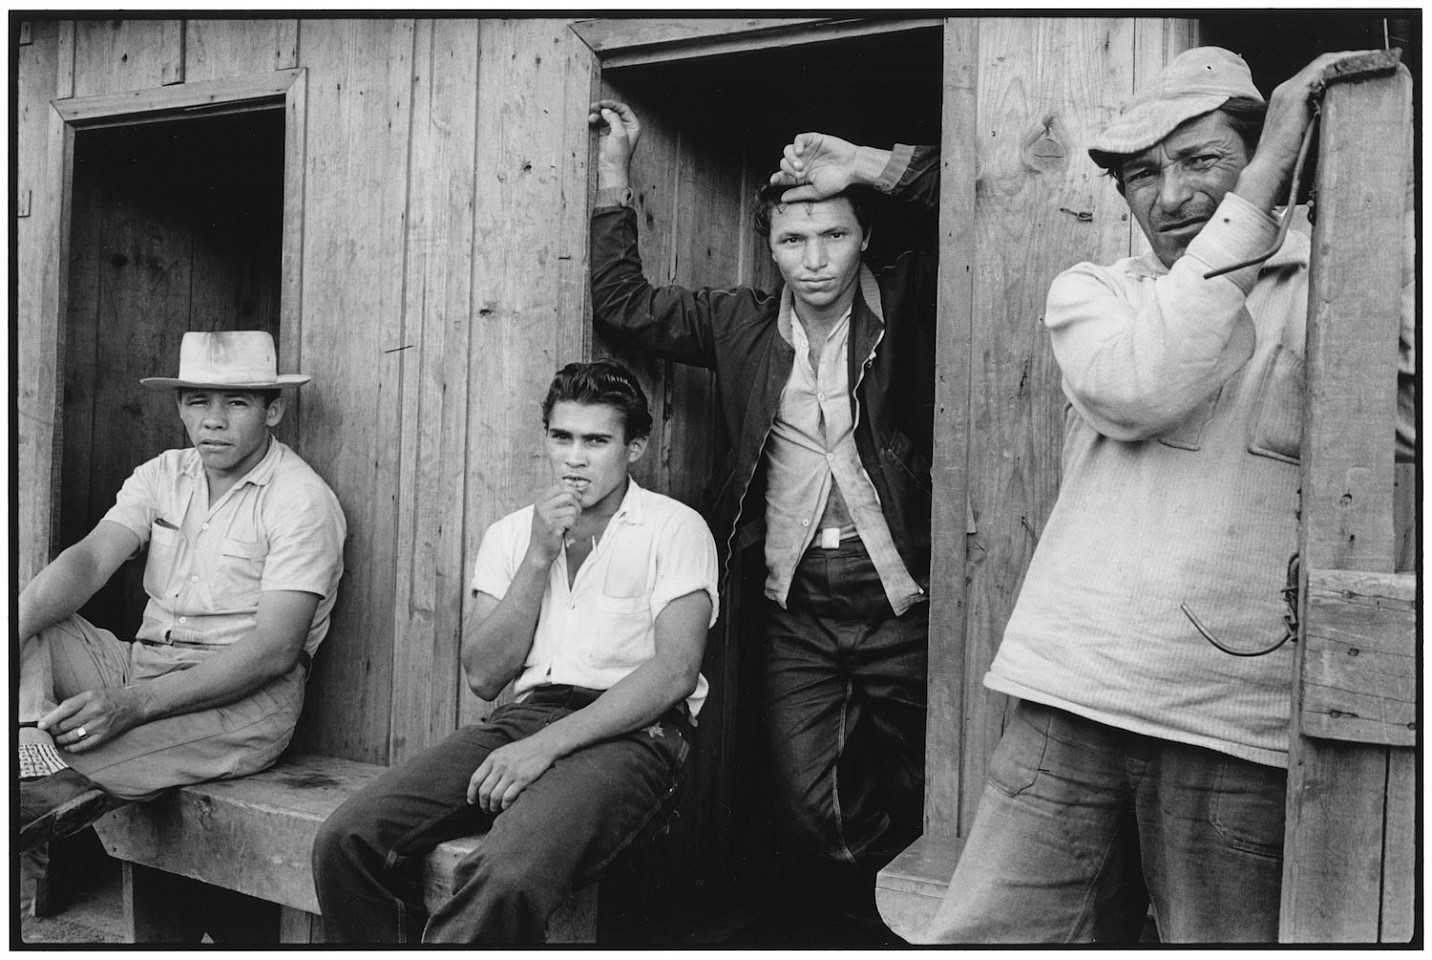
438 281
1023 98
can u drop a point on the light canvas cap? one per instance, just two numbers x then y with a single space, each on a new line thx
229 359
1195 82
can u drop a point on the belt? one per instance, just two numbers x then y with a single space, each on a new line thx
305 659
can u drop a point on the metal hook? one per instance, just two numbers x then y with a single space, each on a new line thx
1290 619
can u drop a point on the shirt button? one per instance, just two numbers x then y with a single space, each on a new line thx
805 523
194 579
830 457
204 527
820 396
183 619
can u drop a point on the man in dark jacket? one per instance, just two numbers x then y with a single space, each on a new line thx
826 390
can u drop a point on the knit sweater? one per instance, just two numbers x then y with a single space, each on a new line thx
1180 486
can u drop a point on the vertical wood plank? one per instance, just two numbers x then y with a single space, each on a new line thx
229 48
534 76
1045 87
1339 804
949 473
115 55
1398 923
437 309
65 68
40 168
171 45
354 196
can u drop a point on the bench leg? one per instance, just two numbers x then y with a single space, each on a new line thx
299 926
158 907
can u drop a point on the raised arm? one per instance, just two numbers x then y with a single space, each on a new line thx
675 322
498 634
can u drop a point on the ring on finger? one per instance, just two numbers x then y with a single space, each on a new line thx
79 733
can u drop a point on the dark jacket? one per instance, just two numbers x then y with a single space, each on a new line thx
892 368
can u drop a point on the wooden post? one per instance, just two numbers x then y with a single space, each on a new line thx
1347 872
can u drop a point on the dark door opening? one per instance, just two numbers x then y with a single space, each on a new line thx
714 128
175 226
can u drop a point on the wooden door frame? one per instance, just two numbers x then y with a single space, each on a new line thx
70 115
626 42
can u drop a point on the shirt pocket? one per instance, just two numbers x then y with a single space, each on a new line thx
1188 435
240 574
164 543
622 636
1276 427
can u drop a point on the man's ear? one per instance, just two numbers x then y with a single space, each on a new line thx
275 410
865 243
635 449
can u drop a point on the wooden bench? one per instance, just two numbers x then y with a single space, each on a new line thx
254 836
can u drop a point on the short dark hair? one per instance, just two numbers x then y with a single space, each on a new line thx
1245 115
768 199
602 383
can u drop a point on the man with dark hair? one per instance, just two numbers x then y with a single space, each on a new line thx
596 601
826 389
1147 645
245 553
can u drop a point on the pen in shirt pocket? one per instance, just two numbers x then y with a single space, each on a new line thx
160 521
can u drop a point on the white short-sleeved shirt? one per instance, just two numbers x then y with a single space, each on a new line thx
279 528
654 551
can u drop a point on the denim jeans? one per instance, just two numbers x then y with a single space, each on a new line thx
1049 837
561 831
843 695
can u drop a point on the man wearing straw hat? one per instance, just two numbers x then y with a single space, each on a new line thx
245 549
1149 746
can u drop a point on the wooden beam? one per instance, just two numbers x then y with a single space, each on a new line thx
1344 859
950 469
158 103
621 42
1359 679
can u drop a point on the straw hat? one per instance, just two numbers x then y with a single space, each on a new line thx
230 359
1195 82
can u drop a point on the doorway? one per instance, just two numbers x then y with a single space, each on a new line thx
713 129
175 225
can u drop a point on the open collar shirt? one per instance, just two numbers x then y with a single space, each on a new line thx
278 528
599 629
812 460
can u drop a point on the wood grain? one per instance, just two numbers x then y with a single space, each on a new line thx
40 168
216 49
354 193
1339 827
115 55
437 311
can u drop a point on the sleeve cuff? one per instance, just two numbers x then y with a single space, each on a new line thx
1237 230
613 197
895 168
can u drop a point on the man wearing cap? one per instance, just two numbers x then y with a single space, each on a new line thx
245 553
1139 754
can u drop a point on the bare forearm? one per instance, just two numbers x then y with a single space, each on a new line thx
228 675
636 701
495 648
58 591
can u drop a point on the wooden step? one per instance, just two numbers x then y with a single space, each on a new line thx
910 887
